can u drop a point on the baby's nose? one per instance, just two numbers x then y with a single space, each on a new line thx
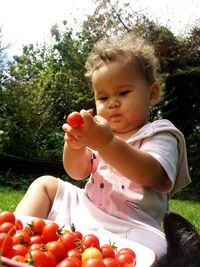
113 103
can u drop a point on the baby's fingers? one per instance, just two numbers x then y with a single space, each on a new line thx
65 127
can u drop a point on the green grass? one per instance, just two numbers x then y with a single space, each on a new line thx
9 199
188 209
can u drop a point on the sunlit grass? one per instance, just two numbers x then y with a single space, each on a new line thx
189 209
9 198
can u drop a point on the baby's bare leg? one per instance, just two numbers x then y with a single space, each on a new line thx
39 197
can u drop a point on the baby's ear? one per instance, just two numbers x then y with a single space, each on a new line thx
154 97
182 237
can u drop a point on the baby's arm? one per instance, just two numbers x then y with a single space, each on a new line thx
137 165
77 162
77 159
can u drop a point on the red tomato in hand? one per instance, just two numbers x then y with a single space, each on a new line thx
75 120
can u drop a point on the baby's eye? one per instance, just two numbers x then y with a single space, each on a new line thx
103 98
122 93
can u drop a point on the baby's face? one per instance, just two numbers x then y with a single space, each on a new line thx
122 96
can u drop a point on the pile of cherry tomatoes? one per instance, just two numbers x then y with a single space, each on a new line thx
42 243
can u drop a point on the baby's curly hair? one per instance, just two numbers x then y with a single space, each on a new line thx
127 48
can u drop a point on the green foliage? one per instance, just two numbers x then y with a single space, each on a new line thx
15 182
194 158
21 182
42 86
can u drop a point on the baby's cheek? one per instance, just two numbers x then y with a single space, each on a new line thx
102 111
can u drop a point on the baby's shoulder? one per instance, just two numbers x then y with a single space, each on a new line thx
161 124
152 128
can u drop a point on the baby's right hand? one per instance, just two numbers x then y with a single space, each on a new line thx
71 139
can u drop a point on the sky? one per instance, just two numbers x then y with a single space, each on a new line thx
29 21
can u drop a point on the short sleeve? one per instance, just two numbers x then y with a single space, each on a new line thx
163 147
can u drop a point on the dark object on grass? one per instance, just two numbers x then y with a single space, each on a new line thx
183 243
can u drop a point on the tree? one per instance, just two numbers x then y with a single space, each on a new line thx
26 114
43 85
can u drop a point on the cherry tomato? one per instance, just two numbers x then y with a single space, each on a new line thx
77 261
7 216
74 253
21 237
75 120
42 247
18 249
110 262
127 250
6 244
19 258
78 235
18 224
125 255
93 262
37 258
50 232
8 228
68 262
36 239
69 239
36 226
90 240
51 259
91 252
108 251
125 260
58 249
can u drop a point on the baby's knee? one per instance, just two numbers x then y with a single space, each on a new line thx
46 179
46 185
44 182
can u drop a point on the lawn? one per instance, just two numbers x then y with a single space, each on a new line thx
189 209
